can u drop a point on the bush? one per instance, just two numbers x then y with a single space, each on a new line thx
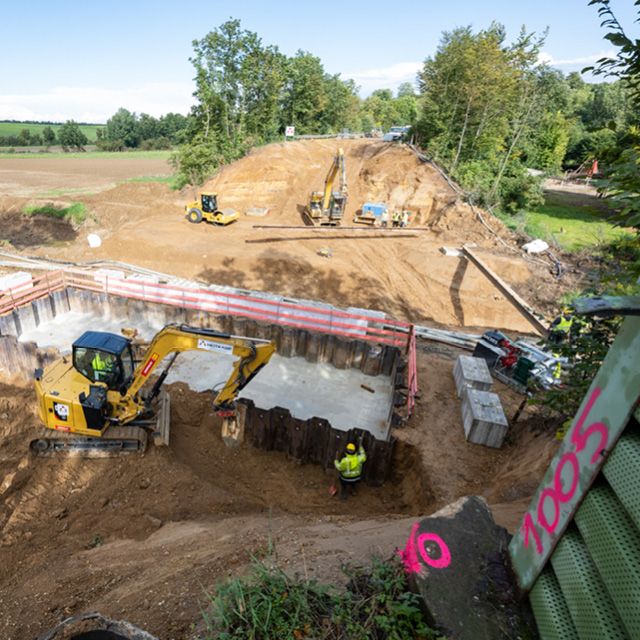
519 190
267 604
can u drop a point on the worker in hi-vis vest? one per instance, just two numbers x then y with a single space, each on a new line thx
350 468
560 327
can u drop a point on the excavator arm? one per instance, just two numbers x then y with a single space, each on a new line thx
337 166
252 354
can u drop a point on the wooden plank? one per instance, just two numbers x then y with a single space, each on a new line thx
521 305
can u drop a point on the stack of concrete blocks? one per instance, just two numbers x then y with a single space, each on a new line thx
482 415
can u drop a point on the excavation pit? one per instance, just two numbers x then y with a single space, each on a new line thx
317 393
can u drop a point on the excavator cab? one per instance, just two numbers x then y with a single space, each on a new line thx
338 205
103 357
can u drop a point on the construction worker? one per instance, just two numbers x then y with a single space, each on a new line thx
102 368
560 327
396 218
384 218
350 468
405 218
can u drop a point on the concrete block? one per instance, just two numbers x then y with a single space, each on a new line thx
473 373
456 560
483 418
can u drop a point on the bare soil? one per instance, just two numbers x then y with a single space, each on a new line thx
136 538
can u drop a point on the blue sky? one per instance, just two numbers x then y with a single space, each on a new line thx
84 60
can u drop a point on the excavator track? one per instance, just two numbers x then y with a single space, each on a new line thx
116 441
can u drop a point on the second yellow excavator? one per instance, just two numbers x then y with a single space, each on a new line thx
326 208
95 401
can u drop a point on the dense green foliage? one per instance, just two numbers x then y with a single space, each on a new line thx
127 130
622 175
71 137
488 110
267 604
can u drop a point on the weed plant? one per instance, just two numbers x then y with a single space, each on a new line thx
266 604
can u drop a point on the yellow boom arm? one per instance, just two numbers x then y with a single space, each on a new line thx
252 355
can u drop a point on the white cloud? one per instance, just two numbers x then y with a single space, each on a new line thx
547 58
385 78
96 105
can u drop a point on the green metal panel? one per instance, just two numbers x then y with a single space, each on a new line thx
601 419
550 609
622 470
614 546
590 606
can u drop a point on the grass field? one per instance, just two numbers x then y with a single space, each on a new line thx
569 221
14 129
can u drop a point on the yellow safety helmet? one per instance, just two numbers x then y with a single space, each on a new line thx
351 448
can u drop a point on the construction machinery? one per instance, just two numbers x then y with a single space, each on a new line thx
326 208
372 213
95 401
207 209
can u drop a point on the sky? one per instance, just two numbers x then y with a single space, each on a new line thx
82 61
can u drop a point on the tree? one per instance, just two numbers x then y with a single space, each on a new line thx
622 181
304 96
196 161
123 126
49 136
24 138
71 137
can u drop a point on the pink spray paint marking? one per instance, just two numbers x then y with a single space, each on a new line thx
445 555
557 494
409 555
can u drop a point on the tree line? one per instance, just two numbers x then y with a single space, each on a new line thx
489 113
124 130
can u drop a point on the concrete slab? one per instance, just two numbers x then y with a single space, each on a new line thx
306 389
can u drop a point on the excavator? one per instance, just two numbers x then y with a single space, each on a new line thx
326 208
95 401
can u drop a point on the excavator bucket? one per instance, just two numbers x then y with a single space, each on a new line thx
161 434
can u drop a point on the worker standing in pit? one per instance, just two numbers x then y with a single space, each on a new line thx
350 468
396 218
384 218
405 218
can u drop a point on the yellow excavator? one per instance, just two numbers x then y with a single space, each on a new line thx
207 209
326 208
95 401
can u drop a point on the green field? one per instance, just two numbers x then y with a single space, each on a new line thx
14 129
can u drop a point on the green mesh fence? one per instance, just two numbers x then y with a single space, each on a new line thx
551 611
591 608
591 587
614 546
